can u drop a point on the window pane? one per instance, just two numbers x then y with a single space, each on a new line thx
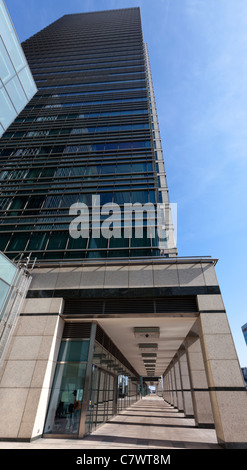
3 292
38 241
18 242
16 93
7 111
57 241
27 82
65 403
7 69
74 351
7 269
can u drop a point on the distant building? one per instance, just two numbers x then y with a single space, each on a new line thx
17 85
244 370
244 330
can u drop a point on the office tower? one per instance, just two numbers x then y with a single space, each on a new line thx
87 132
104 316
17 86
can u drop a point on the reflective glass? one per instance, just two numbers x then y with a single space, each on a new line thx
73 351
7 269
9 36
7 70
3 292
27 82
16 92
65 403
7 111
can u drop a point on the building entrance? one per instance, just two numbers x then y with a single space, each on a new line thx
92 382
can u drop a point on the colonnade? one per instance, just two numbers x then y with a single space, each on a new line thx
204 380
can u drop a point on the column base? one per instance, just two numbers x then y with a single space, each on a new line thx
205 425
232 445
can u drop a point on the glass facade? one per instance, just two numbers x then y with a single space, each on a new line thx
89 130
88 388
17 85
68 386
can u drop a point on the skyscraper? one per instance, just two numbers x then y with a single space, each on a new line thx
104 315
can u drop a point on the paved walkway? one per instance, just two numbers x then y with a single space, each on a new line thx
148 424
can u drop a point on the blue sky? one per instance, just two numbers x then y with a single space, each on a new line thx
198 58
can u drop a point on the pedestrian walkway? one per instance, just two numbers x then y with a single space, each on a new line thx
150 423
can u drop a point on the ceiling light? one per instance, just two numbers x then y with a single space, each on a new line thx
147 332
150 346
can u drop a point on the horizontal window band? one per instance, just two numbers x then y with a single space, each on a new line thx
213 311
209 389
47 314
123 292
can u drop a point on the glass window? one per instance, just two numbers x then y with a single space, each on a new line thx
19 202
7 111
74 351
4 238
7 69
65 403
38 241
121 197
123 167
122 242
7 269
77 243
16 92
68 199
107 169
95 243
18 242
57 241
35 202
27 81
3 292
140 196
105 198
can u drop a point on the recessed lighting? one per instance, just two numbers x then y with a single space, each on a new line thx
150 346
147 332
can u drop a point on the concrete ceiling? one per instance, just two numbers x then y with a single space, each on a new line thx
172 332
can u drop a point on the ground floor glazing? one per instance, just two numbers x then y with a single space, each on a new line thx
91 384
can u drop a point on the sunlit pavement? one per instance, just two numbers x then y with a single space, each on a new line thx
150 423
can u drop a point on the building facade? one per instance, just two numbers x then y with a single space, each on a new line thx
104 316
17 86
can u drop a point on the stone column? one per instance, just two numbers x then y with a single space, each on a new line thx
166 387
169 387
200 393
225 379
26 377
178 384
173 384
185 384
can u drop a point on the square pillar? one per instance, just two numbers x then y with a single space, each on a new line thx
200 394
26 376
174 388
185 384
226 385
178 384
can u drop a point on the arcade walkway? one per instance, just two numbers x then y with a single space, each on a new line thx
150 423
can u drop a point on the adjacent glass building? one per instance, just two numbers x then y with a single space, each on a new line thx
17 85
